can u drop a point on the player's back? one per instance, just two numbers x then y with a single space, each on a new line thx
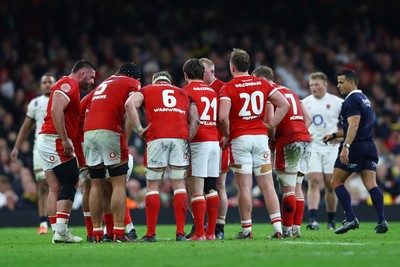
206 101
248 96
167 110
292 128
107 107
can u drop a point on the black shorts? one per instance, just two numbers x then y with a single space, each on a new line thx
362 156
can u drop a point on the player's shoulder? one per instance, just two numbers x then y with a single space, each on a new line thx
67 85
334 97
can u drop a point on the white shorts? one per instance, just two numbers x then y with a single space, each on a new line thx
51 151
293 157
250 150
37 165
322 161
104 146
160 153
205 159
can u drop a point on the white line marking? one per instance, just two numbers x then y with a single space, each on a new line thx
327 243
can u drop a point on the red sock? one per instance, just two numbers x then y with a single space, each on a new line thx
298 215
109 222
53 221
180 209
98 232
88 223
199 211
288 208
127 219
212 200
152 209
119 232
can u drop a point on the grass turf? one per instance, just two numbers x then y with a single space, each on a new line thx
362 247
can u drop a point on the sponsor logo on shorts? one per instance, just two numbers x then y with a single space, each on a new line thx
112 155
52 158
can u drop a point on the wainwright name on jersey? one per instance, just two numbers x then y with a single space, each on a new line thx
165 103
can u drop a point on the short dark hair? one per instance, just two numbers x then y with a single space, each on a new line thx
240 59
263 71
350 75
82 63
50 74
194 69
131 70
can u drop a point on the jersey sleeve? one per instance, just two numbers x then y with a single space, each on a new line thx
66 89
224 93
31 111
353 108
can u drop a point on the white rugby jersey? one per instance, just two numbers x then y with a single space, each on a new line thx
37 111
325 117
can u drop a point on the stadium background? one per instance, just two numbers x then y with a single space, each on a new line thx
293 37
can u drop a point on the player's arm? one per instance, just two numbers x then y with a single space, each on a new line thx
131 105
223 115
193 119
59 104
269 114
282 106
128 128
26 127
306 115
354 122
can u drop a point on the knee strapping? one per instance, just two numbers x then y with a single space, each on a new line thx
263 169
153 175
210 184
67 174
118 171
286 179
40 176
177 173
299 179
97 173
242 168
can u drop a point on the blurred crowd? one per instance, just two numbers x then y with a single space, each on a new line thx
295 38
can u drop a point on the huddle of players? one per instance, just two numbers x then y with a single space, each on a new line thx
197 132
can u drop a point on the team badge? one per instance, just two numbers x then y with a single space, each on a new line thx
328 106
52 158
112 155
65 87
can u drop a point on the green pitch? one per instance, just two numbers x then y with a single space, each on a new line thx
23 247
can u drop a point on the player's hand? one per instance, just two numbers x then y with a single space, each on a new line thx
142 133
344 155
68 147
327 138
14 154
225 142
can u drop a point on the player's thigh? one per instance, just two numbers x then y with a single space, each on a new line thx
315 162
328 160
51 151
179 155
92 149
